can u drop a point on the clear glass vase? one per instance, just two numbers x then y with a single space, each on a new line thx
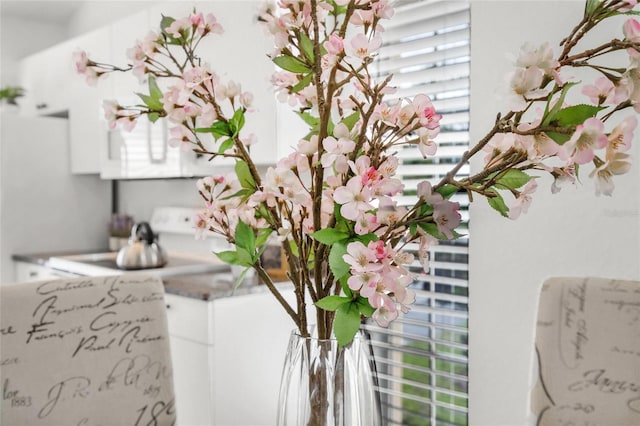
324 385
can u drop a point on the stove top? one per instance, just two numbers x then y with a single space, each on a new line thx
98 264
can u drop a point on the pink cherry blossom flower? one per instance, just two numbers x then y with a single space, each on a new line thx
361 258
111 109
85 66
366 282
537 57
354 198
629 4
386 311
587 137
617 163
385 113
446 217
537 146
426 143
207 116
603 91
335 149
622 135
426 241
562 176
389 166
389 212
426 192
599 91
383 9
361 47
525 84
334 45
207 24
308 147
180 136
365 223
631 30
524 200
426 112
178 27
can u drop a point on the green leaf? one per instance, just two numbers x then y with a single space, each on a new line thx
497 202
166 22
229 256
338 266
425 210
576 114
346 323
292 64
244 175
224 146
304 82
306 46
263 236
237 122
245 257
432 229
308 118
331 303
218 129
153 117
154 89
240 278
150 102
514 179
328 236
447 191
245 238
365 307
351 120
559 138
366 238
550 115
590 7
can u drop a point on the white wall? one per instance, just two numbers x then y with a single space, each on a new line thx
573 233
20 37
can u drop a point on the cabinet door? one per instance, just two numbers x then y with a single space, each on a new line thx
191 343
87 126
45 77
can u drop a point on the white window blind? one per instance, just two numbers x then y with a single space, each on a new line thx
422 357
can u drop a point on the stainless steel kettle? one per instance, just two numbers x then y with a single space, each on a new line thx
142 252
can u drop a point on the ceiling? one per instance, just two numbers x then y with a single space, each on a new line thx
53 11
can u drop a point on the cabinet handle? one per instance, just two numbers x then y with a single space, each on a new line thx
33 274
41 106
168 306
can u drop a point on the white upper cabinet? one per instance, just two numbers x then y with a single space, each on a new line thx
45 77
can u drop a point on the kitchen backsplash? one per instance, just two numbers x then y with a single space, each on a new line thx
138 198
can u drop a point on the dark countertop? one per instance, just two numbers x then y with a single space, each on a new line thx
202 286
43 257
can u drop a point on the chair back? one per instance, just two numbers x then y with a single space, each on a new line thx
86 352
588 353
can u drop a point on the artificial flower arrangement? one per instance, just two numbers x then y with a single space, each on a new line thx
333 202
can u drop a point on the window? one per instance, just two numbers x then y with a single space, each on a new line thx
422 357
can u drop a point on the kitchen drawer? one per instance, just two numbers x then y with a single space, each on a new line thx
189 318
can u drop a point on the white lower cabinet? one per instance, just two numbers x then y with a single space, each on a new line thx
227 358
27 272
